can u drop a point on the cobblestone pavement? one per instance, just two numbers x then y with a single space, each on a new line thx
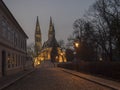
54 79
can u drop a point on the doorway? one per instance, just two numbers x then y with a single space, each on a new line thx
3 62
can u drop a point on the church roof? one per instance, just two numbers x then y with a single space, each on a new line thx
51 42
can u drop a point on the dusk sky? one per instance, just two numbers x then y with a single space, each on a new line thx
63 13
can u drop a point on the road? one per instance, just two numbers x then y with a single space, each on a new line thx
54 79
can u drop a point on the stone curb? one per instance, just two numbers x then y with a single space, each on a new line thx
104 82
14 80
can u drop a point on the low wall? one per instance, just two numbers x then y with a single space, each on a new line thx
106 69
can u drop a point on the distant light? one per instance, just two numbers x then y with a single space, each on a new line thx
74 52
56 57
8 58
61 53
100 59
38 63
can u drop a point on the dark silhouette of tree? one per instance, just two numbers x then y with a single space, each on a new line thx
69 55
30 49
54 54
99 30
87 47
106 15
70 41
61 43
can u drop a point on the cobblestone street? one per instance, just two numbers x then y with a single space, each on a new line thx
54 79
59 44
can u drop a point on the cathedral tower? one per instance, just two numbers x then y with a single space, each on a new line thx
51 32
38 40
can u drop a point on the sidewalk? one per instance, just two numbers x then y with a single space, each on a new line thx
108 83
8 80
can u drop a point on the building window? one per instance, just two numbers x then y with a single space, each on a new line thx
21 44
9 60
13 60
25 45
15 39
21 60
16 60
12 37
4 34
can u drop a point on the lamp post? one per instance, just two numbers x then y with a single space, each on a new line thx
76 46
76 53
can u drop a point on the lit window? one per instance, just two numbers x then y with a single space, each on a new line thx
9 60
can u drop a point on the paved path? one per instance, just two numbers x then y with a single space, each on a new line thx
46 64
54 79
10 79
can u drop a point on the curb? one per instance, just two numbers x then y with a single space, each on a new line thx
97 80
13 81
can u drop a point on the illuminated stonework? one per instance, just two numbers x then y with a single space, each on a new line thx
45 53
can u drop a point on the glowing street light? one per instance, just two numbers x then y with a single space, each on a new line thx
76 44
76 48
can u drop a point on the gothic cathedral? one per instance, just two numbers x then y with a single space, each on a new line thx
43 52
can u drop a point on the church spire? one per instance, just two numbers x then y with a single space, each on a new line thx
38 26
50 20
37 22
51 31
38 40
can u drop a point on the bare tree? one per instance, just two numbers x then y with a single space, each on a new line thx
30 49
100 28
85 35
106 15
70 42
61 43
78 27
54 54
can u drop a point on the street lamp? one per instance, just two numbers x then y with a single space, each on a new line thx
76 48
76 52
76 44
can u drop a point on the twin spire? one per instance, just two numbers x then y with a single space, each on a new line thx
51 35
38 30
51 28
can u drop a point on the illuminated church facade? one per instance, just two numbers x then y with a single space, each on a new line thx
43 52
